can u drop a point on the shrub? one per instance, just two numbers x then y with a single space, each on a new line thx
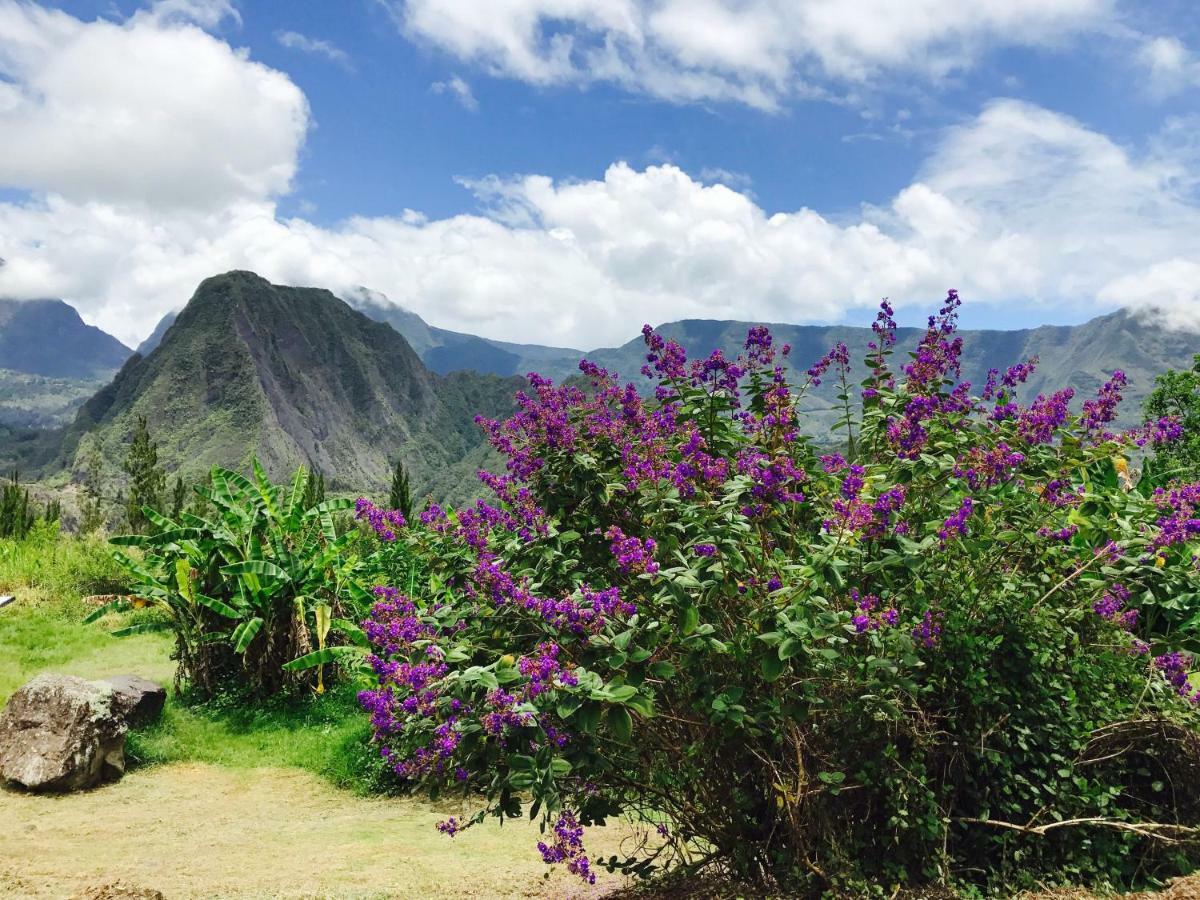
949 652
1177 395
248 591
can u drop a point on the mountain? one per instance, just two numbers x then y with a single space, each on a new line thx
47 337
50 362
1079 356
155 337
292 375
445 351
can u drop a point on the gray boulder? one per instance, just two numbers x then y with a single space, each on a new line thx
138 700
62 733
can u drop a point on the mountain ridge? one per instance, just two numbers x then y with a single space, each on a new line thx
293 376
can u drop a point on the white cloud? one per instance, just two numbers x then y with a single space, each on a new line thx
751 51
1171 66
127 216
1168 291
117 112
293 40
205 13
1018 204
459 90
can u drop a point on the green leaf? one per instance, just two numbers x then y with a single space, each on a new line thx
183 580
259 567
320 657
620 723
622 693
789 648
118 605
663 670
142 628
218 606
689 620
244 633
352 631
772 666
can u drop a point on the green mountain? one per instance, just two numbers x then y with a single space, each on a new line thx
1078 356
155 337
292 375
50 362
445 351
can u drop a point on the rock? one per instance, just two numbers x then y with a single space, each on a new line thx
138 700
61 733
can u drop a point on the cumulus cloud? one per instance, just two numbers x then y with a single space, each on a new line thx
459 90
1171 66
293 40
115 112
1020 203
1017 204
750 51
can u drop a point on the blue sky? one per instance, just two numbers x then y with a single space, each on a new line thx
488 164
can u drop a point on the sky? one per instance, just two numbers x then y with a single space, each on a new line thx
561 171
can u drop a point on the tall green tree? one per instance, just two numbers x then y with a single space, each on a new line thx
314 488
1178 394
17 513
92 515
178 498
400 494
147 480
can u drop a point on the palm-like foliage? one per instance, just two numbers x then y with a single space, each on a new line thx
248 589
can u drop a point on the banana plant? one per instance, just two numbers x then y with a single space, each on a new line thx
246 589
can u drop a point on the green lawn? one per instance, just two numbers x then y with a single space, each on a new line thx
43 632
225 799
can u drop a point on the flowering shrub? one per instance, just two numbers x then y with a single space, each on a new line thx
958 647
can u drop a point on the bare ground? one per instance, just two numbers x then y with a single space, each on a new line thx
200 831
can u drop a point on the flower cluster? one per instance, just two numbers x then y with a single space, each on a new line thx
1112 607
568 847
868 616
1180 520
1174 667
634 555
957 523
384 522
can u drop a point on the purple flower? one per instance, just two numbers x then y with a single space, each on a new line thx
704 549
928 630
568 847
957 523
634 555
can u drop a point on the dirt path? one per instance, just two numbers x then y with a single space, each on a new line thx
201 831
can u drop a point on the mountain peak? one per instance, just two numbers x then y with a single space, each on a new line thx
293 376
48 337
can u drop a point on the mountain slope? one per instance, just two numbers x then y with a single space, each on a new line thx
50 362
154 338
47 337
292 375
445 351
1079 356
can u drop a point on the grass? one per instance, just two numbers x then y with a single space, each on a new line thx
229 799
328 736
43 632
